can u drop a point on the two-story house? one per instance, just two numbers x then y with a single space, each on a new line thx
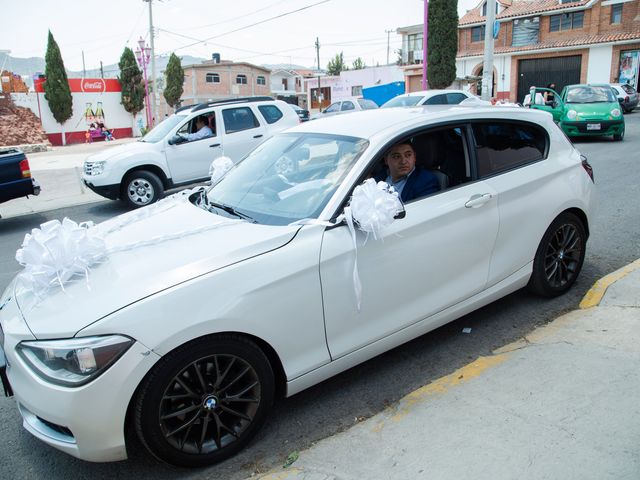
538 42
289 85
218 79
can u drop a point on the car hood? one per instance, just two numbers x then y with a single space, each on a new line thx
593 110
173 245
120 151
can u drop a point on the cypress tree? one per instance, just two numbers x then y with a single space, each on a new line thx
132 98
175 81
443 42
56 88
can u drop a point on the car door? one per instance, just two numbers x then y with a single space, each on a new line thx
556 109
433 258
242 131
190 161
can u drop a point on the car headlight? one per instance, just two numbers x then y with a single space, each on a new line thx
572 114
615 112
73 362
94 168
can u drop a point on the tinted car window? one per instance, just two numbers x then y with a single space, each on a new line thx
334 107
238 119
628 89
455 98
271 113
347 106
437 100
502 146
408 101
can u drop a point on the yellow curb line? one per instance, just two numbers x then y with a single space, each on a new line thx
593 297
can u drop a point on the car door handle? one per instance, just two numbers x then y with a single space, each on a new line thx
257 136
214 145
478 200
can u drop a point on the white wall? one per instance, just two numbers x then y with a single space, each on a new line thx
26 100
599 66
366 77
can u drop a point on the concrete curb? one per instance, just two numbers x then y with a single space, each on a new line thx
595 294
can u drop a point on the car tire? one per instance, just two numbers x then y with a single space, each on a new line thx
559 257
204 401
618 137
141 188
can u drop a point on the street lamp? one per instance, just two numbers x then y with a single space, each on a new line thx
143 55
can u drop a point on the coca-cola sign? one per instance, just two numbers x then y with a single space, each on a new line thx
93 86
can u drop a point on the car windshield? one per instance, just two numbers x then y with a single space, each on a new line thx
408 101
160 131
589 94
289 177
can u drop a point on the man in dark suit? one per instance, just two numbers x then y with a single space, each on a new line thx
410 182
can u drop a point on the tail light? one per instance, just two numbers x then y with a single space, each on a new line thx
587 167
24 168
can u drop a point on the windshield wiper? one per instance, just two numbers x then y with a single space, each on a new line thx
229 209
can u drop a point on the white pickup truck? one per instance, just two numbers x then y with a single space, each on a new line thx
165 158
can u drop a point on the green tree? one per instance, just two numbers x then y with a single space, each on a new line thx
358 64
132 98
56 88
175 80
442 42
336 65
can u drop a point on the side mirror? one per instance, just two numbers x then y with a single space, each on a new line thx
401 214
176 140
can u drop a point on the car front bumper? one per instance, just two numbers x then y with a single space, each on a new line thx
87 422
582 128
112 192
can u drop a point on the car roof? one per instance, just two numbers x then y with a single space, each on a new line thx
430 93
368 123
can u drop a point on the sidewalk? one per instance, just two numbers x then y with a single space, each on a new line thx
58 171
562 403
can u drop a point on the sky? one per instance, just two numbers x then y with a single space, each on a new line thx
260 32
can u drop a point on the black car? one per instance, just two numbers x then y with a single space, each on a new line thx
303 114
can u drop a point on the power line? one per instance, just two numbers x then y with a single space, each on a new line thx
254 24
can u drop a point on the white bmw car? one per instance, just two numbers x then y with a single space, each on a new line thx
184 320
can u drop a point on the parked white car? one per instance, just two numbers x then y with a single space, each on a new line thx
627 96
165 158
182 320
346 105
428 97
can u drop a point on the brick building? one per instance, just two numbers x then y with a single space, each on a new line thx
559 41
216 79
542 41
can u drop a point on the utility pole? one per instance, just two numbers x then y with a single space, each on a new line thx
487 68
319 89
388 32
153 64
84 70
101 70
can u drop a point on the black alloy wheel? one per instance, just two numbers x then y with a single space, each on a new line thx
559 257
204 401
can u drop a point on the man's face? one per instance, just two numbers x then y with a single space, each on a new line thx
401 159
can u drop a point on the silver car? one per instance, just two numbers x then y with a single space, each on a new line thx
627 96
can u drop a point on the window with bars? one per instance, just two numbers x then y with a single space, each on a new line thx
241 79
260 80
212 78
566 21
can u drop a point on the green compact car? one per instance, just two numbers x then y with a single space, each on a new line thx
582 110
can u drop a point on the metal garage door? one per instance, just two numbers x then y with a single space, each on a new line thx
543 71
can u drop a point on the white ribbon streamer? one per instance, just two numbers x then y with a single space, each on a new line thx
219 168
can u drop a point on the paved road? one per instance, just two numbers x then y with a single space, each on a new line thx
335 405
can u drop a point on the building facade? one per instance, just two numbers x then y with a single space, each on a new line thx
220 79
552 41
538 42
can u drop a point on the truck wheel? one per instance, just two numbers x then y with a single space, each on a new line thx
141 188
